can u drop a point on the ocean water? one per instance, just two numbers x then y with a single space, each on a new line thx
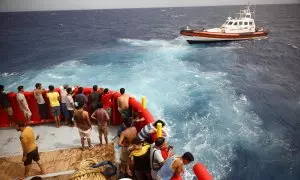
235 106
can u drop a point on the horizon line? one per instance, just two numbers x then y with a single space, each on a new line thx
146 7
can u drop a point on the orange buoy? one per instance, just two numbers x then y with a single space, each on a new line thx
201 172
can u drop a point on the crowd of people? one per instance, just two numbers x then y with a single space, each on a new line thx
140 157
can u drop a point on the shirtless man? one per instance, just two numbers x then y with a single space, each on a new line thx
123 105
173 167
125 140
83 123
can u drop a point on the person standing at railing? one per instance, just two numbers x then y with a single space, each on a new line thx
70 106
106 100
102 120
38 94
81 98
4 103
23 103
94 99
55 105
123 105
63 101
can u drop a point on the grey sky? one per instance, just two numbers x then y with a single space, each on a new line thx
41 5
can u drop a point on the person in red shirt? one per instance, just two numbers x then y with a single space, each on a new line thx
106 100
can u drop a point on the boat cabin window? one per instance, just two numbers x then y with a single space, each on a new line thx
250 23
247 16
240 23
235 23
230 23
246 23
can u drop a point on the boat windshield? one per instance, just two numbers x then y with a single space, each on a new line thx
230 23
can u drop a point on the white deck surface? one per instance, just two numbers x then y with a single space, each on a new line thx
51 138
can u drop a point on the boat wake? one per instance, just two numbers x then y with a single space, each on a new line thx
203 112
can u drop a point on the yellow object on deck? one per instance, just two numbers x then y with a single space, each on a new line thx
144 102
159 130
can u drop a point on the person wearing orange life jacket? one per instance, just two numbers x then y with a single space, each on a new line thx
157 158
174 166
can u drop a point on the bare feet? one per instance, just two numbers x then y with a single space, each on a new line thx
91 147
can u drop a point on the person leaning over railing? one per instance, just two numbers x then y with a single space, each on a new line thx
4 103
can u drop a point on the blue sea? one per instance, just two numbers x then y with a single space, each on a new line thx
235 106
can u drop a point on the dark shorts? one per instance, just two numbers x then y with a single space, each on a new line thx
64 110
43 111
33 155
55 111
126 114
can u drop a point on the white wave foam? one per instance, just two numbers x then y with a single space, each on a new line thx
6 74
200 107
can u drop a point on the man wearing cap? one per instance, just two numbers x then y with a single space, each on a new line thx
30 149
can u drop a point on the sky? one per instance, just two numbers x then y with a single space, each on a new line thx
44 5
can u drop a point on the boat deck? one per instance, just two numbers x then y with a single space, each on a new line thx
59 150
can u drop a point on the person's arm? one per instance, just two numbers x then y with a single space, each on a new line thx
88 118
93 115
71 102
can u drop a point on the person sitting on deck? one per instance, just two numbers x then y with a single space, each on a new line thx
63 104
30 149
123 105
23 103
102 120
125 140
83 123
70 105
94 98
4 103
81 98
157 158
139 160
174 166
147 130
55 105
106 100
38 94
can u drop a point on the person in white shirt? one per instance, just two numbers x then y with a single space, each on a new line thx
23 103
156 158
70 106
38 94
63 101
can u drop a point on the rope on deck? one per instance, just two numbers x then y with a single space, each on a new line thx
87 172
